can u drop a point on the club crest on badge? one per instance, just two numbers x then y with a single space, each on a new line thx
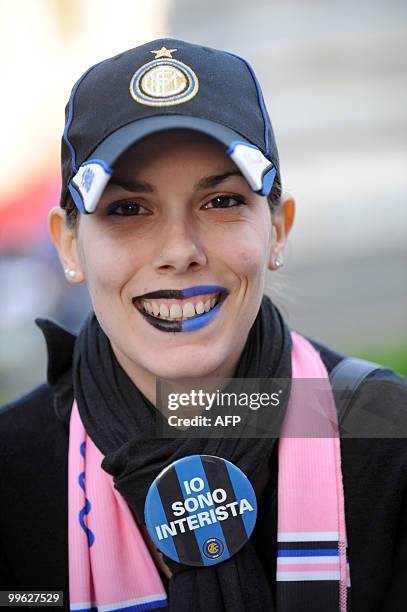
213 548
165 81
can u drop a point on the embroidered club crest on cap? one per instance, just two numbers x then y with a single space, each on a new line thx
164 82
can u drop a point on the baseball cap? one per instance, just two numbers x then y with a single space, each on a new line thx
163 85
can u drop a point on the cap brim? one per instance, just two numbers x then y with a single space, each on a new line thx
88 184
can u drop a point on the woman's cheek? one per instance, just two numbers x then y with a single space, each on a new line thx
252 256
106 270
246 257
254 244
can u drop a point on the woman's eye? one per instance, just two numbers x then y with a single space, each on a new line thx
127 209
225 201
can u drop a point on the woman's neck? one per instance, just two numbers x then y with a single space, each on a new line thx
146 381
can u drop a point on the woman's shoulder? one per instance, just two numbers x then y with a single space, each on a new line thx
332 358
27 405
35 412
376 394
22 417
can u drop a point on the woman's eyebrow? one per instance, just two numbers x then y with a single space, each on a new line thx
131 185
214 180
144 187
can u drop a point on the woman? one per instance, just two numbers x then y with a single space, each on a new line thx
171 213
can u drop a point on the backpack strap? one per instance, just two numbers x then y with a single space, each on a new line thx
346 378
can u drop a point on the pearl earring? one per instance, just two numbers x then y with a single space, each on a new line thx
278 262
69 272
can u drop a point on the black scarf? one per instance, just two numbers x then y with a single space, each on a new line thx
121 422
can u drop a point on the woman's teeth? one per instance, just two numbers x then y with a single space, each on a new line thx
178 311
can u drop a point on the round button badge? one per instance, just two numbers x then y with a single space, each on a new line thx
200 510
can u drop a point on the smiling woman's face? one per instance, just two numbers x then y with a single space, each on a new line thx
177 215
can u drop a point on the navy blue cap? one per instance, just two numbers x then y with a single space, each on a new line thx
161 85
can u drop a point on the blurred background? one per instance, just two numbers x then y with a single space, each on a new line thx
335 80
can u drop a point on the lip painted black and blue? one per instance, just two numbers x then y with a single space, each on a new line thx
186 325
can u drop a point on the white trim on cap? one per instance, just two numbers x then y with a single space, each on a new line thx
90 181
251 161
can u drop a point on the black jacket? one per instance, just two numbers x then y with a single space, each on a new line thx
34 436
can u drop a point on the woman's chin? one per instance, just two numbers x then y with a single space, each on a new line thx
186 366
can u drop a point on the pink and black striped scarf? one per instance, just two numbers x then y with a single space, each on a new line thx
110 566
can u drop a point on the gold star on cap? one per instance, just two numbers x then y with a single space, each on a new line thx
163 52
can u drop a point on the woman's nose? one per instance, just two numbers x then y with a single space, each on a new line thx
179 249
